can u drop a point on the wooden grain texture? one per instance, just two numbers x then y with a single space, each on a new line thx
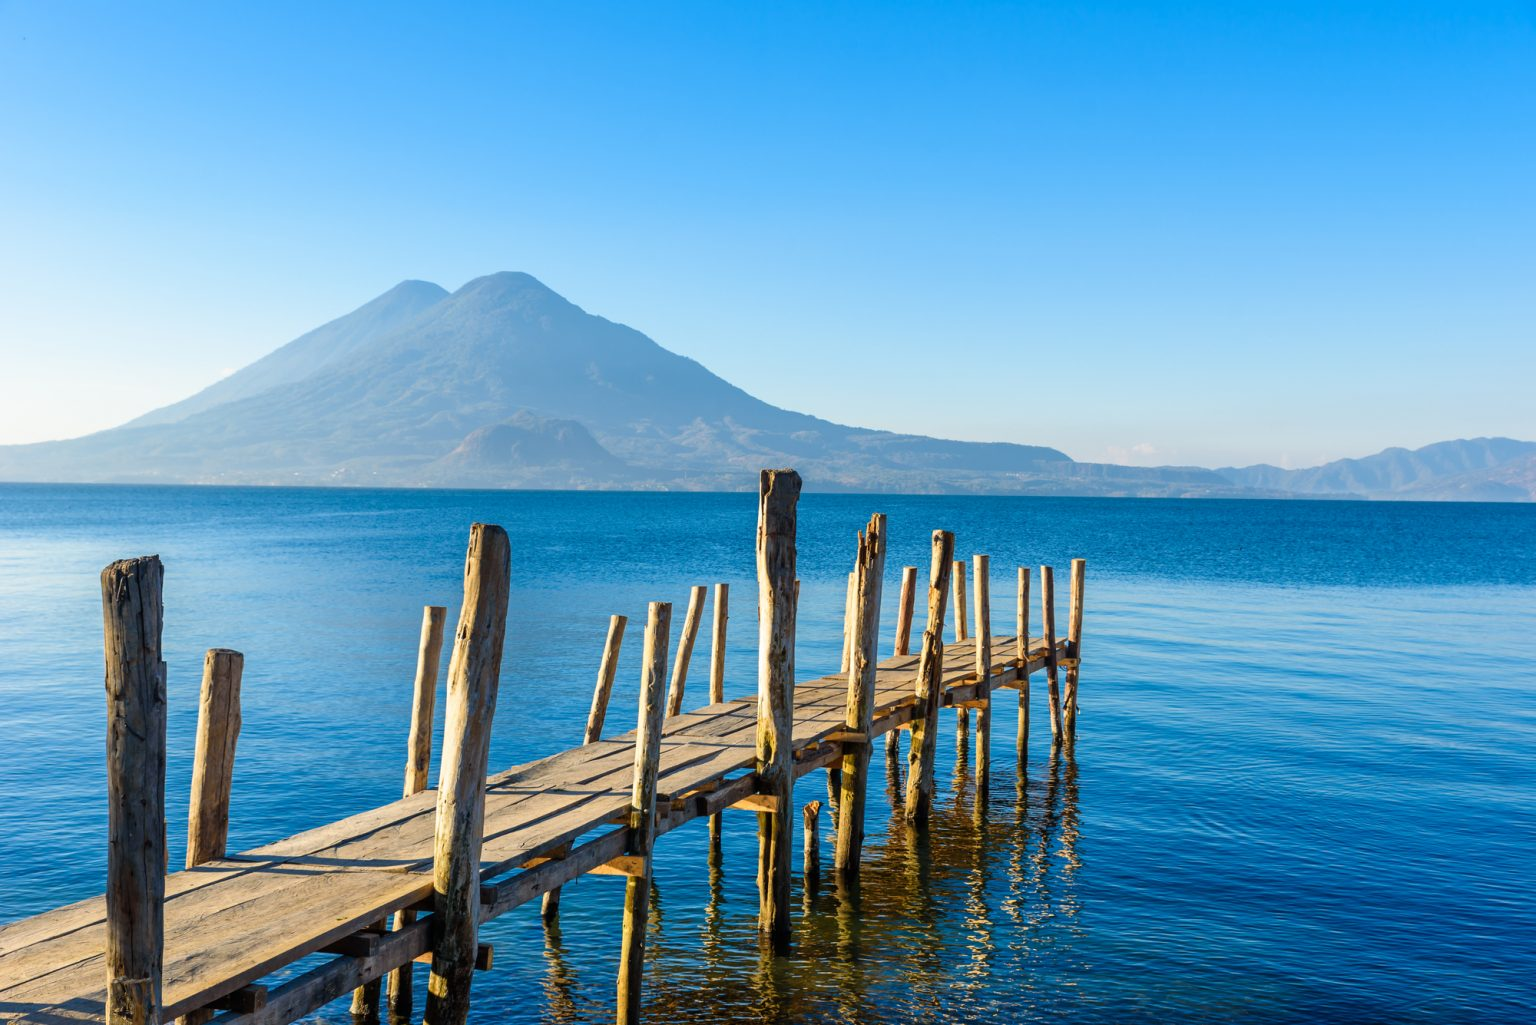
923 745
903 645
869 574
848 599
983 619
778 499
418 768
642 811
213 758
1021 654
1048 624
474 673
132 612
1069 707
607 670
722 616
810 865
690 634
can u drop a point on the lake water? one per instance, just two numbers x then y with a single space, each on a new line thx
1304 787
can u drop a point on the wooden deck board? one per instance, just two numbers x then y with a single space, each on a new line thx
232 921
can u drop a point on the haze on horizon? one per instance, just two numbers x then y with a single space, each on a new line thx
1204 236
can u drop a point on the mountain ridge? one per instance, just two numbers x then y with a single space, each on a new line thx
505 383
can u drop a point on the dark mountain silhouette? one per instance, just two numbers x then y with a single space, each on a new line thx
506 384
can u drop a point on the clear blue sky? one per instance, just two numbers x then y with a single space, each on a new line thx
1181 232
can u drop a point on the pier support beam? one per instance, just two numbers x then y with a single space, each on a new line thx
132 613
1074 644
778 498
1048 625
685 649
1021 652
642 811
903 645
962 633
983 619
929 686
869 573
474 672
717 675
418 765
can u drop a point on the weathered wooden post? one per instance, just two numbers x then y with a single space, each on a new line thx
903 644
685 649
549 909
848 614
642 811
1048 625
132 612
983 620
213 759
962 633
810 868
717 644
418 766
1074 645
1021 652
869 574
474 672
778 497
929 685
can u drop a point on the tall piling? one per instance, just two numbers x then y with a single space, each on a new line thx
778 498
1021 654
418 768
929 685
869 573
685 649
962 633
1074 643
722 616
474 672
983 619
642 812
1048 626
903 645
213 758
132 614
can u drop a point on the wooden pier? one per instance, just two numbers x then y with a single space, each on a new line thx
199 944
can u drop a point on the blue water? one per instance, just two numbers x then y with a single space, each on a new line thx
1304 788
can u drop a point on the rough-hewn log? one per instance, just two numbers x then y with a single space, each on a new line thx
1021 652
607 669
903 645
132 612
869 574
717 644
778 498
810 867
213 759
983 620
1074 646
1048 626
929 685
474 672
418 767
848 600
962 633
685 649
642 811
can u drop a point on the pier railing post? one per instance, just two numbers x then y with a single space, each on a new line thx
685 649
929 685
717 644
859 717
1048 626
903 644
132 613
418 766
983 620
1021 652
1074 644
213 759
848 613
962 633
642 811
778 497
474 672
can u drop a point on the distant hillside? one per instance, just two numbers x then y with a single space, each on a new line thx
1477 469
506 384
